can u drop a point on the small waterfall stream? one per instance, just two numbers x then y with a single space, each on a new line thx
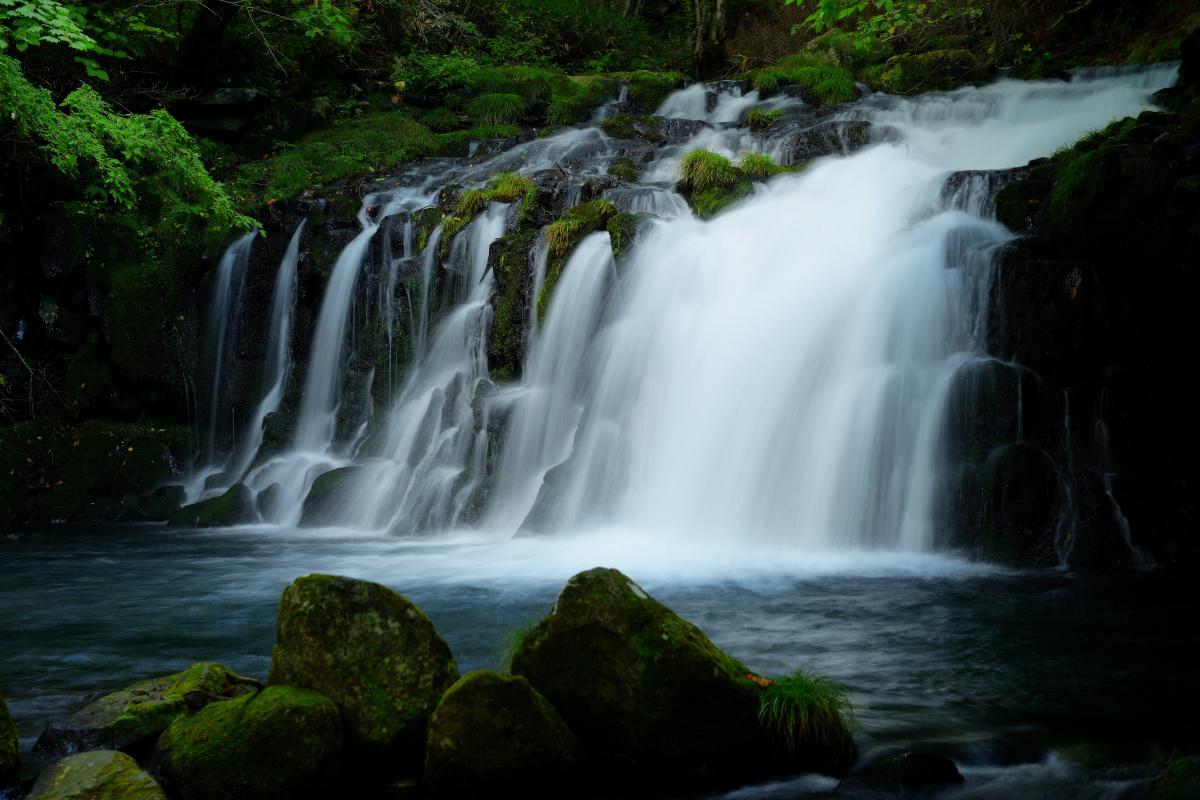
779 374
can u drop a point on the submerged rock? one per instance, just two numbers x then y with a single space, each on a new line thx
491 733
277 744
236 507
134 716
373 653
643 687
907 772
98 775
10 758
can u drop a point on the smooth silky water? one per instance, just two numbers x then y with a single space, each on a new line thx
745 416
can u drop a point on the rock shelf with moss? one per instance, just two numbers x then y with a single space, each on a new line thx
97 775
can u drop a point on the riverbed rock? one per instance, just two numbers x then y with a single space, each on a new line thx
10 757
644 688
1179 780
493 733
830 138
321 504
907 772
236 506
374 654
282 743
132 718
97 775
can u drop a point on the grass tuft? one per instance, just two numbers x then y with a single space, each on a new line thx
759 166
496 109
803 708
759 119
702 170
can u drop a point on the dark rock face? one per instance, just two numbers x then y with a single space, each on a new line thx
327 492
907 772
494 733
236 506
1089 441
132 718
277 744
829 138
374 654
643 688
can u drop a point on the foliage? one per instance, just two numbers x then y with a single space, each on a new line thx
631 126
760 119
890 18
496 109
759 166
821 82
702 170
803 708
564 234
625 169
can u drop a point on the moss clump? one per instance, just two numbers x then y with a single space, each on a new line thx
711 182
625 169
367 144
760 119
937 70
10 758
440 119
509 261
631 126
276 744
573 102
373 653
1080 173
564 234
98 775
820 82
649 89
806 710
496 109
503 187
130 718
457 143
759 166
236 506
495 733
622 230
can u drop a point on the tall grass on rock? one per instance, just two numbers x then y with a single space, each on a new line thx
806 709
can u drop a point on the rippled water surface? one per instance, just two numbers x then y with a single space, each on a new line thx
1036 683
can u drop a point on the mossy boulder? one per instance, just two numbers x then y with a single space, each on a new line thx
10 758
237 506
913 73
321 504
277 744
710 182
97 775
563 235
374 654
641 686
493 733
132 718
1179 780
509 261
633 126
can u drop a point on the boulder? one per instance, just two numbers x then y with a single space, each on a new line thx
907 772
829 138
374 654
912 73
492 733
10 758
281 743
642 687
1179 780
133 717
236 506
322 502
97 775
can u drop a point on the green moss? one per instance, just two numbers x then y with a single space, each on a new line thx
625 169
759 120
510 259
630 126
574 101
440 119
649 89
98 775
759 166
496 109
279 743
563 235
711 182
912 73
820 84
235 507
367 144
803 709
1080 172
457 143
622 229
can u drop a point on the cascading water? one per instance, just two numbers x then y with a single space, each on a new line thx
778 375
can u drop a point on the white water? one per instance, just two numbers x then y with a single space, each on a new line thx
775 377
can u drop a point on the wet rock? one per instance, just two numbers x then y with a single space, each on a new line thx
268 501
1011 505
494 733
975 190
1179 780
374 654
162 502
677 131
510 262
236 506
936 70
132 718
10 758
322 504
907 772
644 688
829 138
98 775
277 744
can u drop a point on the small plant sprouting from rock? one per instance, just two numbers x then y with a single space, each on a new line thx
759 166
806 708
702 170
760 119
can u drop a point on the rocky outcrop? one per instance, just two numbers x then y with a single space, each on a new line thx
492 734
374 654
328 490
236 506
98 775
131 719
281 743
906 773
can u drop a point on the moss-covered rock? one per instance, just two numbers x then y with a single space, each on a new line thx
493 733
630 126
648 89
324 496
132 718
509 261
277 744
913 73
625 169
639 685
373 653
97 775
10 758
622 230
563 235
237 506
710 182
1179 780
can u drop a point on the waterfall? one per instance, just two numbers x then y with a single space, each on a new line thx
224 321
778 376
